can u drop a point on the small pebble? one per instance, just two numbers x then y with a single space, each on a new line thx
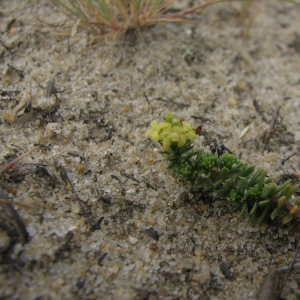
75 208
133 240
4 241
81 168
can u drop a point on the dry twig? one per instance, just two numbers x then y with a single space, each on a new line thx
270 130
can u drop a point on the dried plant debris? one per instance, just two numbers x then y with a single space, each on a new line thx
152 233
271 128
50 102
101 258
64 250
7 166
97 225
65 177
12 75
12 116
269 287
276 134
295 44
9 94
9 212
226 271
12 217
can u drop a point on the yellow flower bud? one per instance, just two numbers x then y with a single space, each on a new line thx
153 124
171 132
186 126
177 129
163 126
166 144
182 141
174 136
154 136
191 136
169 118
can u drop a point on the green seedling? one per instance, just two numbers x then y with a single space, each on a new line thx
245 188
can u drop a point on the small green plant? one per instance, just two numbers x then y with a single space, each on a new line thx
246 188
111 17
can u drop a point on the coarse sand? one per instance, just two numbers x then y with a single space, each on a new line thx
105 219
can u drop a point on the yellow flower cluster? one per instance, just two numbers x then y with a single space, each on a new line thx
171 132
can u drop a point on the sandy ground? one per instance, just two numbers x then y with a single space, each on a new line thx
128 229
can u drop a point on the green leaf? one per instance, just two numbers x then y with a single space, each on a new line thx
261 181
247 171
104 8
78 12
290 191
222 193
229 183
275 213
281 187
268 191
255 177
224 172
263 214
198 185
208 188
254 208
287 218
252 218
219 182
236 168
244 183
244 209
264 202
242 170
272 191
268 180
